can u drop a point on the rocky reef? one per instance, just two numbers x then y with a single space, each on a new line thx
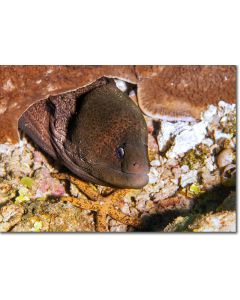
191 182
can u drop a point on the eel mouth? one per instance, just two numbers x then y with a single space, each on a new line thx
130 180
122 179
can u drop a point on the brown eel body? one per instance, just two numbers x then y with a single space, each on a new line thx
97 132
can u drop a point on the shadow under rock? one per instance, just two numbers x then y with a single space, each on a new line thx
205 203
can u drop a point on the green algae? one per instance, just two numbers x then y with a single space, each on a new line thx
195 158
27 182
24 195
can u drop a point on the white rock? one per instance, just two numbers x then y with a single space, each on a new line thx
119 228
188 178
208 115
153 175
169 130
141 205
183 136
121 85
188 139
225 157
218 222
226 107
3 172
155 163
185 168
5 148
210 163
219 134
208 142
154 188
125 209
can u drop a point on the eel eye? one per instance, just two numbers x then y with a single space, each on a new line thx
120 152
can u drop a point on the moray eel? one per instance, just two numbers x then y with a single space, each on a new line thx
97 132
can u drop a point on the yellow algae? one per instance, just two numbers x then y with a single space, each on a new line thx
27 182
24 195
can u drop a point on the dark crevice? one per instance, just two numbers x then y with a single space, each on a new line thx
205 203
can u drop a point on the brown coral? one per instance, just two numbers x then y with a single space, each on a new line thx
183 91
